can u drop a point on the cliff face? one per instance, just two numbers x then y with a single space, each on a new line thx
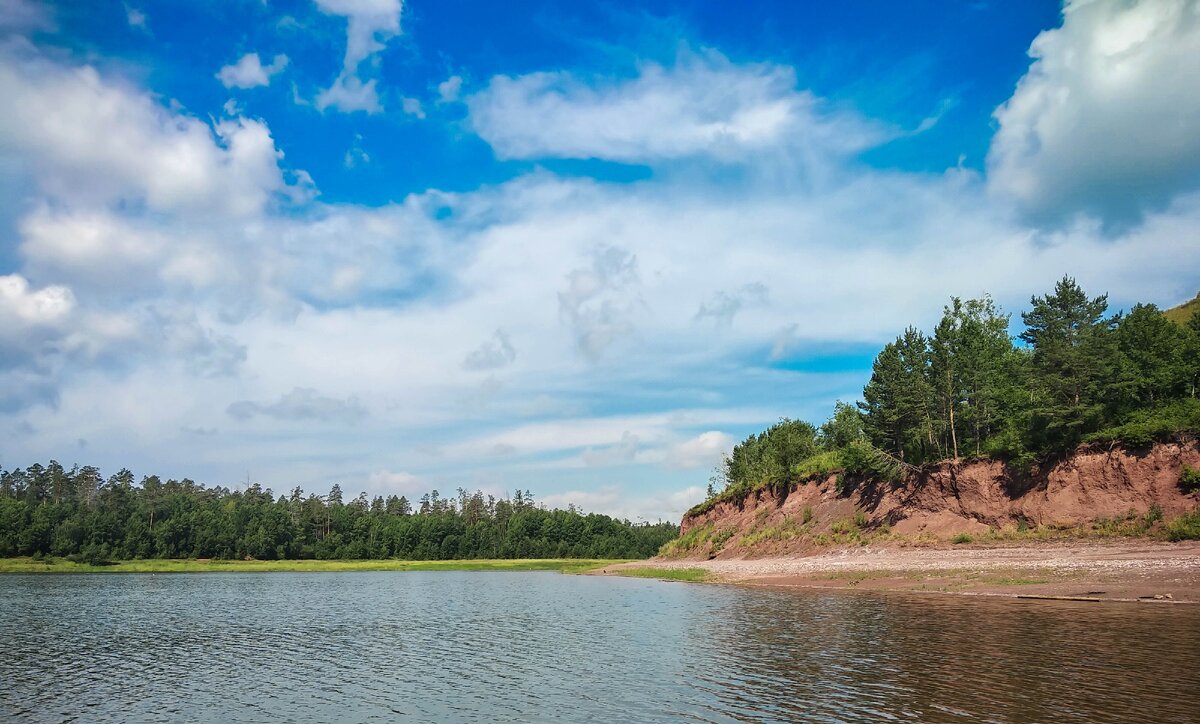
970 497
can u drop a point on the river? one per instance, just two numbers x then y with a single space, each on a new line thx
484 646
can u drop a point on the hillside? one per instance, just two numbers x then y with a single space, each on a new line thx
1182 313
1097 491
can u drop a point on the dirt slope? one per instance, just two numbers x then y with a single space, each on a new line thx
948 499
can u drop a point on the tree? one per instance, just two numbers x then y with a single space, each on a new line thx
898 399
1073 356
1152 345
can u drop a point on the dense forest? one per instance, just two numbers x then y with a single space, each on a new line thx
52 511
1075 374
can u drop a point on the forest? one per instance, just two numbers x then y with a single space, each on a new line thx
51 511
1075 374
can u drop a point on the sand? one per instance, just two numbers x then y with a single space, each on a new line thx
1127 571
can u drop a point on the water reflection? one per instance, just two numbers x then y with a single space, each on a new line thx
540 646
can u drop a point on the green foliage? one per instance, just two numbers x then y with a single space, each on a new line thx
807 514
962 538
1189 478
1158 424
844 427
818 466
57 512
1185 527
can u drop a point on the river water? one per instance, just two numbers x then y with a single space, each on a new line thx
476 646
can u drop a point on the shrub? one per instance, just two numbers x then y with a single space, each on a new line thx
1185 527
1189 478
818 465
843 526
860 519
962 538
807 514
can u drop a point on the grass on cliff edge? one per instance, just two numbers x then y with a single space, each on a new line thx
61 565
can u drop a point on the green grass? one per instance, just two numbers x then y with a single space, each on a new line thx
697 538
1184 312
60 565
819 465
786 530
694 575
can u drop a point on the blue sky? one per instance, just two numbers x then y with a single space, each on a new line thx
580 248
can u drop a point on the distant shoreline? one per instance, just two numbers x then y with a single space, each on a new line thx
1114 571
62 565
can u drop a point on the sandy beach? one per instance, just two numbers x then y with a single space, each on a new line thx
1120 571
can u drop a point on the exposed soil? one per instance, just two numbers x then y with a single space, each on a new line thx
1143 571
971 498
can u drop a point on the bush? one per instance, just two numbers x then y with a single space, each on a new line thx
1189 478
1159 424
962 538
807 514
818 465
1185 527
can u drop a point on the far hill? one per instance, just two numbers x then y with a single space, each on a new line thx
1184 312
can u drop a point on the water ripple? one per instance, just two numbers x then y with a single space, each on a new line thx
447 646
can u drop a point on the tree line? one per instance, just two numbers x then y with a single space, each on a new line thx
1074 374
52 511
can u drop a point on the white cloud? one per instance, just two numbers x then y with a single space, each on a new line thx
369 24
1105 121
21 307
396 483
702 105
703 451
449 89
622 503
91 139
412 107
136 18
249 72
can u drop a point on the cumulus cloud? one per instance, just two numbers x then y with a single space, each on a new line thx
702 105
494 353
1105 121
302 403
369 24
703 451
412 107
249 72
88 138
449 89
395 482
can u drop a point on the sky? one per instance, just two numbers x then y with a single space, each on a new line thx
575 248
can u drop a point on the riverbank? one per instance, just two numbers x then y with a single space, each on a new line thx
1129 570
62 565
